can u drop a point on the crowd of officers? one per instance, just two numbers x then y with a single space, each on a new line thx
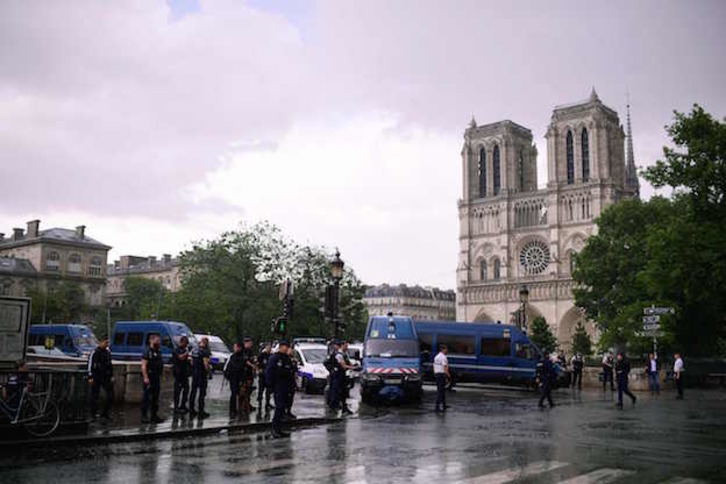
274 374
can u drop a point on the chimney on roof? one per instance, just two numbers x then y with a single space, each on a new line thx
17 234
81 231
33 227
2 237
167 259
152 260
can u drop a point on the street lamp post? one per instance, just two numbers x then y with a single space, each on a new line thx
523 298
336 270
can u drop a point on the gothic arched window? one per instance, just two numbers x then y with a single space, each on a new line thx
482 172
497 171
570 159
585 155
497 269
521 171
483 270
573 262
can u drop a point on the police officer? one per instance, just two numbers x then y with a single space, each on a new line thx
293 386
234 372
200 374
607 371
248 356
622 370
347 382
182 366
152 366
578 363
17 383
279 378
261 383
100 375
547 377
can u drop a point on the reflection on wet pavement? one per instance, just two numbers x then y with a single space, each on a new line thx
489 436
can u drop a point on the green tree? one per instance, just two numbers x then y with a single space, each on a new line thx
581 342
61 303
144 299
541 335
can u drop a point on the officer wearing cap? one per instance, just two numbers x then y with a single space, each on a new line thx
280 377
337 379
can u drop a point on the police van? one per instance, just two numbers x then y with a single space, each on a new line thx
391 361
312 376
71 339
481 352
130 338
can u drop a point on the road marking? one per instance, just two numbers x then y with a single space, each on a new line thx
685 480
517 473
600 476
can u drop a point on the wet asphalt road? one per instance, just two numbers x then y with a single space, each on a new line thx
489 435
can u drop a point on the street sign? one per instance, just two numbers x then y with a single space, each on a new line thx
651 319
650 334
654 310
651 327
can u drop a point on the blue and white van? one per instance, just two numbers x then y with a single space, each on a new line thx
130 338
391 360
480 352
71 339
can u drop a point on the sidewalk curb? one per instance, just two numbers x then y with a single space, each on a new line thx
112 438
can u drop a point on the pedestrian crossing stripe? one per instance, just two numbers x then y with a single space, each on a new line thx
512 474
599 476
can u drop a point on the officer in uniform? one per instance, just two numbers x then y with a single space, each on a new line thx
578 363
248 356
182 364
441 374
607 371
152 366
100 375
279 378
622 370
233 371
547 377
200 374
261 383
293 386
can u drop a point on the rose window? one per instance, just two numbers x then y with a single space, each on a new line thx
535 257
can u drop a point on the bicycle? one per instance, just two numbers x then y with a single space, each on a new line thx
36 412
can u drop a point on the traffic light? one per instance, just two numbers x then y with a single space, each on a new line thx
279 326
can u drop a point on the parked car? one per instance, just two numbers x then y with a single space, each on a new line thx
130 338
220 351
41 353
71 339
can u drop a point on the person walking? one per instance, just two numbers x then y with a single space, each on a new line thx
622 370
442 375
547 377
182 366
234 372
261 378
678 375
200 375
293 386
607 371
279 378
152 367
100 375
652 371
578 363
248 376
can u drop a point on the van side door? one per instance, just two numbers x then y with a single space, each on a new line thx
495 356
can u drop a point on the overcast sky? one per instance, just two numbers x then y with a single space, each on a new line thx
159 123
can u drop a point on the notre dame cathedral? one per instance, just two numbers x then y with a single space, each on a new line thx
514 234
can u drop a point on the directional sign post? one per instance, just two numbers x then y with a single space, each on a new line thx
651 323
657 311
651 319
651 327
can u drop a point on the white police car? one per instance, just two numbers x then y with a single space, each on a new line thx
312 377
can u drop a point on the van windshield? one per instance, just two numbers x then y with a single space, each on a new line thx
385 328
387 348
315 356
85 340
219 347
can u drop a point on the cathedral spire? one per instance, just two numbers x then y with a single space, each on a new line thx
631 174
593 95
472 123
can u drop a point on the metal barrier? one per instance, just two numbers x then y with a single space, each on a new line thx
69 391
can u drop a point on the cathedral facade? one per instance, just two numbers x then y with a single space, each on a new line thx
513 234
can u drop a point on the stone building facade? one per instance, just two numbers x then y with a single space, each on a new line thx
40 259
164 270
512 233
422 303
